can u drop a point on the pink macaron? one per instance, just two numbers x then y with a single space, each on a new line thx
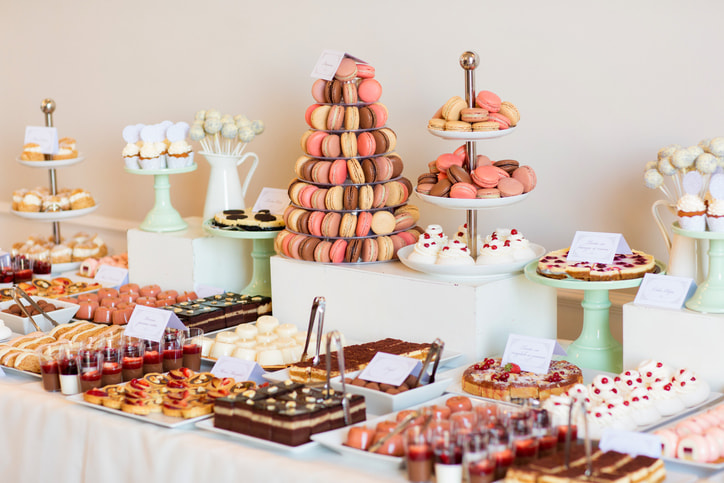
305 195
314 143
380 195
488 176
338 171
330 224
488 101
366 144
347 70
509 187
444 161
503 122
308 114
318 199
403 221
364 223
318 89
463 190
383 168
315 223
335 118
320 172
369 90
380 114
365 71
526 176
337 251
461 153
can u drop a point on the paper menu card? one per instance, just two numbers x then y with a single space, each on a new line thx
45 137
389 369
238 369
531 354
664 291
596 247
327 64
150 323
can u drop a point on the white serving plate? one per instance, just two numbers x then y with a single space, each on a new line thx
158 419
22 325
59 268
12 370
448 357
51 164
208 425
55 215
378 402
471 136
471 204
471 271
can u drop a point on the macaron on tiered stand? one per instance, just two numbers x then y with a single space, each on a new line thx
54 216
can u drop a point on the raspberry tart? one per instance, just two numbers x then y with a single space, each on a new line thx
507 382
623 267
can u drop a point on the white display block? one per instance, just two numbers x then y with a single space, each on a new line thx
180 260
680 338
374 301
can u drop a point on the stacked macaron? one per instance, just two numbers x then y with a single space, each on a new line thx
449 177
349 198
488 114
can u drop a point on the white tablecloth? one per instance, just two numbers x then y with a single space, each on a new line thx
44 437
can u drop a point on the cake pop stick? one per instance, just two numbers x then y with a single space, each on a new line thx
653 179
197 133
667 169
229 131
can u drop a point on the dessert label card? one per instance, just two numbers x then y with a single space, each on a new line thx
273 199
531 354
150 322
45 137
664 291
631 443
327 64
390 369
111 276
238 369
596 247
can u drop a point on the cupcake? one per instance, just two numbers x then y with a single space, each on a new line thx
715 215
151 156
180 155
691 211
130 156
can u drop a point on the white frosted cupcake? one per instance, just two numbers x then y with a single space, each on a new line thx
152 157
131 156
715 215
691 211
179 155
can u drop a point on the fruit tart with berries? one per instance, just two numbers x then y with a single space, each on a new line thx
491 379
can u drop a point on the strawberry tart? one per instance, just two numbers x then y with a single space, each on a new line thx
624 267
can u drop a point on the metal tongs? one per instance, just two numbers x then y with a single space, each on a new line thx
17 293
401 426
318 307
435 353
337 338
586 441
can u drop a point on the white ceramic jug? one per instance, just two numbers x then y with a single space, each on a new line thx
225 191
687 256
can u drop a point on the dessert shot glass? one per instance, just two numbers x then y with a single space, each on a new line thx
544 431
152 360
91 365
478 462
69 368
192 346
524 442
132 358
49 372
112 365
172 348
448 457
418 454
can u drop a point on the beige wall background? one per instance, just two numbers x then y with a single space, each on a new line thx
600 86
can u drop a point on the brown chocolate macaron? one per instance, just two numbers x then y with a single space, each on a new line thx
303 223
381 143
457 174
307 169
508 165
336 91
427 178
328 92
441 188
350 198
367 118
307 249
354 249
397 165
370 171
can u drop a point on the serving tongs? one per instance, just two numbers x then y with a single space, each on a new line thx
317 312
433 355
18 292
401 426
336 337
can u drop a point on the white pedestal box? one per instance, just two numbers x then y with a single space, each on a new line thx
180 260
374 301
679 338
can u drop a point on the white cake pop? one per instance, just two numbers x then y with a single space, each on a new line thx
665 167
683 159
257 126
668 151
716 146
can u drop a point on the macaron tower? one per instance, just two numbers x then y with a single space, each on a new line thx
348 199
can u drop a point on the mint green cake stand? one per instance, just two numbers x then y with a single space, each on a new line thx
163 216
262 249
709 295
595 348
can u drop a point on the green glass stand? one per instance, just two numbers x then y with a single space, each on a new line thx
595 348
709 295
262 249
163 216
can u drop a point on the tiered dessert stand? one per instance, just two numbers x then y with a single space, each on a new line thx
709 295
48 107
469 61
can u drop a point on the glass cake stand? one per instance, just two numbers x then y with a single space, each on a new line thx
709 295
262 249
163 216
595 348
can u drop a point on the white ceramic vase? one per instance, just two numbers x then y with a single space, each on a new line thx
225 190
687 256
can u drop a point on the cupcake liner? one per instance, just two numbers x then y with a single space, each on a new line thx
131 162
693 223
154 163
174 162
715 223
